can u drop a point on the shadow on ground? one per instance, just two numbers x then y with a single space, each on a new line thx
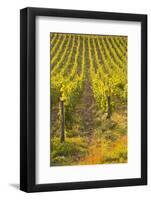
14 185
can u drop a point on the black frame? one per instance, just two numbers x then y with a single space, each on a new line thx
27 99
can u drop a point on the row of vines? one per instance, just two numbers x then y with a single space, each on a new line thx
105 59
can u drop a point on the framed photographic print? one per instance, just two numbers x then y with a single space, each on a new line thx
83 95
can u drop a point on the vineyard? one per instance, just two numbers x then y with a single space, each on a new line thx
88 86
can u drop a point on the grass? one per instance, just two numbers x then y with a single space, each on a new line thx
68 152
115 152
107 148
106 143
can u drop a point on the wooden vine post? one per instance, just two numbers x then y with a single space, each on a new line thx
110 85
109 106
62 138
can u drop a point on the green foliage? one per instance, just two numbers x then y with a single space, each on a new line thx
67 152
68 89
110 78
118 154
102 60
112 81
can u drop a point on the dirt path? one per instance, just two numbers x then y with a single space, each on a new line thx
86 106
95 154
88 103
